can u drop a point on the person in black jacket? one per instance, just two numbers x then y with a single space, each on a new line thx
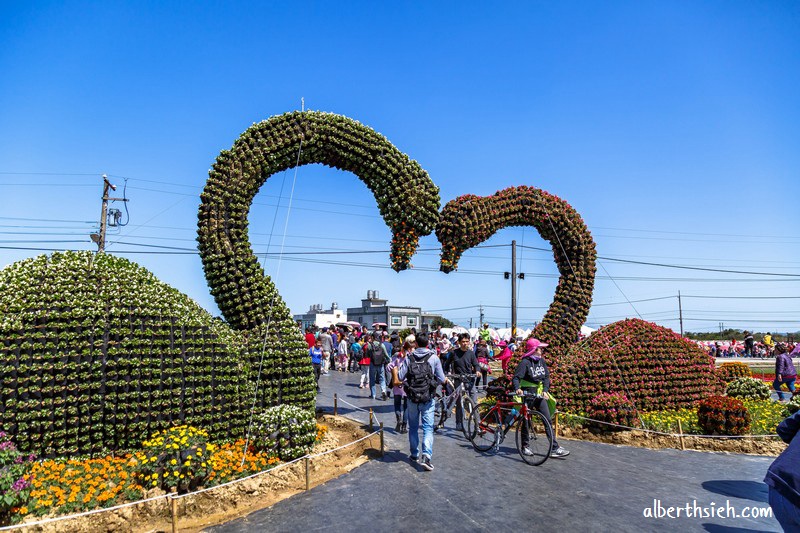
462 361
783 477
749 344
532 376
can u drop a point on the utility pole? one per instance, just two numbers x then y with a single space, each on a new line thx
100 238
481 310
680 312
514 289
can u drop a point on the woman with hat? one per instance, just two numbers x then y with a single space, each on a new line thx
532 376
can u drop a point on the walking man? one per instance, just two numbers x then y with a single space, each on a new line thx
326 343
421 373
377 358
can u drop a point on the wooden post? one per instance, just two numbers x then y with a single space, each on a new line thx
371 427
335 404
173 506
308 476
555 425
382 448
680 430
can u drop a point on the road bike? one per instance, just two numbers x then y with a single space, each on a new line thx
489 429
445 404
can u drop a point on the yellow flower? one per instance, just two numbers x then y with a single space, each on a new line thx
173 462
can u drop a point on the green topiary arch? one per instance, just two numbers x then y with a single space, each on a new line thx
470 220
407 198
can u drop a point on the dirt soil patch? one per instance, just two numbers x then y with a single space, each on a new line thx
226 503
754 446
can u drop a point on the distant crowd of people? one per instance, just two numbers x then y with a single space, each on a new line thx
749 347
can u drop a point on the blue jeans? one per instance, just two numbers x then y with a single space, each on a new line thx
401 408
425 410
789 383
786 513
376 376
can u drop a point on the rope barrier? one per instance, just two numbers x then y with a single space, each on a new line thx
273 469
181 496
645 430
357 408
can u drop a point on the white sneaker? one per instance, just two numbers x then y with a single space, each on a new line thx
425 462
559 453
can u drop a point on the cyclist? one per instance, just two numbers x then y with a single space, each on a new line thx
532 376
462 361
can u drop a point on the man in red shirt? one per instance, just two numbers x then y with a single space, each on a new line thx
310 338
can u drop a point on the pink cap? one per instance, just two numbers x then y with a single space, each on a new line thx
533 345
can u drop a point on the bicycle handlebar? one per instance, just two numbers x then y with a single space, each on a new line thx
462 377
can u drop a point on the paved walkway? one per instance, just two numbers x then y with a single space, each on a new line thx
598 488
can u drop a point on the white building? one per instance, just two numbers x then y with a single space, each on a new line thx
374 309
321 318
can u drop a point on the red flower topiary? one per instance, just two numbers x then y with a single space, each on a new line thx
723 415
612 408
652 365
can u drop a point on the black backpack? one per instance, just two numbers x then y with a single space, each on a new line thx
376 353
420 383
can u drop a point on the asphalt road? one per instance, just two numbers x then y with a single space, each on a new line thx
599 487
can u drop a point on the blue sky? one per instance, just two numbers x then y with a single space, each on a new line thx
671 127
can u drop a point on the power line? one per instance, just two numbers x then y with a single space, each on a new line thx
50 220
704 269
46 185
94 174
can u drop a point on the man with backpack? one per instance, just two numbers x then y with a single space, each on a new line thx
421 372
378 357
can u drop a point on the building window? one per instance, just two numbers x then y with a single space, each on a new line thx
411 321
395 321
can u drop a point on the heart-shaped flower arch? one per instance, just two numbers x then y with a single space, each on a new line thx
407 198
470 220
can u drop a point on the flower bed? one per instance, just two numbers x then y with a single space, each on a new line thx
66 486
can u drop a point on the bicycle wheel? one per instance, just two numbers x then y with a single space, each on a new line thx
470 409
485 430
540 438
440 413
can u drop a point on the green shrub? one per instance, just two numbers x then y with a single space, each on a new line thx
731 370
286 431
613 408
723 415
748 389
791 407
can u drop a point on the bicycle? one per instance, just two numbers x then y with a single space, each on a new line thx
446 402
490 429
